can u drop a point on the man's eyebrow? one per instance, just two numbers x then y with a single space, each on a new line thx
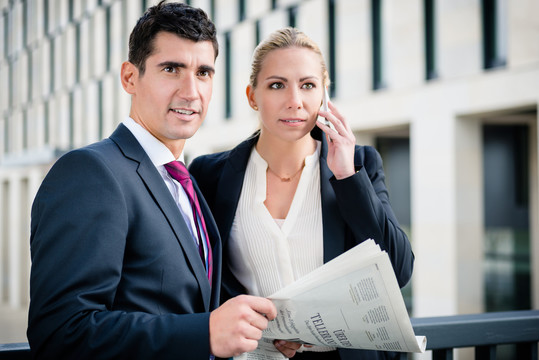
173 64
207 68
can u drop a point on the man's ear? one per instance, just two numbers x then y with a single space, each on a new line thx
129 75
249 91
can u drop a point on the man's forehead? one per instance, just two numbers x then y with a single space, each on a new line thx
172 47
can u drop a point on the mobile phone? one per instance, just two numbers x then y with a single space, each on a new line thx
325 100
325 107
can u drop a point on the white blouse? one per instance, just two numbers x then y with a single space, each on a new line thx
268 254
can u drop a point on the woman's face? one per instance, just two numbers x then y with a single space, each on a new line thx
288 93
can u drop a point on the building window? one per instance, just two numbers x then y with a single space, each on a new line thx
494 14
6 34
71 120
212 9
51 64
395 151
292 15
77 53
30 72
108 30
46 16
241 10
228 76
6 135
507 228
10 85
377 45
71 10
25 128
46 122
430 39
332 52
24 23
257 32
507 261
100 110
273 4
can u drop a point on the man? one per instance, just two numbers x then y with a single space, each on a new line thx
124 264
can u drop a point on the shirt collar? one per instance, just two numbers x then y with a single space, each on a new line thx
158 153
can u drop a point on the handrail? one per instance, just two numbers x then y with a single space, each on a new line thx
444 333
15 351
482 331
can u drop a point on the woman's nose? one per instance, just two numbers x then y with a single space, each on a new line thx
294 99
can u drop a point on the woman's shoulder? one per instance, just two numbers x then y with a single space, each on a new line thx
237 156
367 156
366 153
209 162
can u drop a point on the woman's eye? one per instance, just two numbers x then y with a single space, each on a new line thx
308 86
276 85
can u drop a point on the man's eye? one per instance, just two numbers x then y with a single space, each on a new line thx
204 73
170 69
276 85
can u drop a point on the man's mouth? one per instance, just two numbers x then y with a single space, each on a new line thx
184 112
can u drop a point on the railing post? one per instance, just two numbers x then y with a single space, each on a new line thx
442 354
487 352
527 350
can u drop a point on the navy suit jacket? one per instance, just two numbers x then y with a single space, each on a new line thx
115 271
353 210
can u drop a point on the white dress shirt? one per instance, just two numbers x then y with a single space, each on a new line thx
160 155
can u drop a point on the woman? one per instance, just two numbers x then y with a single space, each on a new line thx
290 198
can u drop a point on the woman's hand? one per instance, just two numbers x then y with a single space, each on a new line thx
341 143
287 348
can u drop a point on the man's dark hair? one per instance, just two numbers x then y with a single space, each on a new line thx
177 18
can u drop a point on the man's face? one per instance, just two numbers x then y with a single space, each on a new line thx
171 98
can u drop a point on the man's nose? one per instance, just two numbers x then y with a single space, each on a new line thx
187 87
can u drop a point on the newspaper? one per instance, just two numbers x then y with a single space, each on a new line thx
353 301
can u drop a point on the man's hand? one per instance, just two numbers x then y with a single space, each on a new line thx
237 325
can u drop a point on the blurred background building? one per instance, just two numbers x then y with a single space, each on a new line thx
446 90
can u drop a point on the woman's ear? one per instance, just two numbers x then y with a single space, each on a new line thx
249 91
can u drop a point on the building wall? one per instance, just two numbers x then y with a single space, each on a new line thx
60 89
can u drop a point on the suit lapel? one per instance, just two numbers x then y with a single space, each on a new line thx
157 188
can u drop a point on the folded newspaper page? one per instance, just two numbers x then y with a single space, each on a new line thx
353 301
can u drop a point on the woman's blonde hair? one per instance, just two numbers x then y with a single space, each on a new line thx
281 39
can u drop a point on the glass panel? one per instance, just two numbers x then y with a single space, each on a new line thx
395 153
506 204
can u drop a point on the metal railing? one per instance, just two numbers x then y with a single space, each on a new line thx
484 332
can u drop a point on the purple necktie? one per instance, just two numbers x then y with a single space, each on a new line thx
178 171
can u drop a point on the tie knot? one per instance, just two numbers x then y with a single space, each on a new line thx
178 171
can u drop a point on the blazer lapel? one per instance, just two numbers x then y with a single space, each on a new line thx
156 186
231 183
334 226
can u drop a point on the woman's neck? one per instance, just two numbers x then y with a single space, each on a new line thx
285 157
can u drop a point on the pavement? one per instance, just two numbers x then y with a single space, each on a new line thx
13 324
